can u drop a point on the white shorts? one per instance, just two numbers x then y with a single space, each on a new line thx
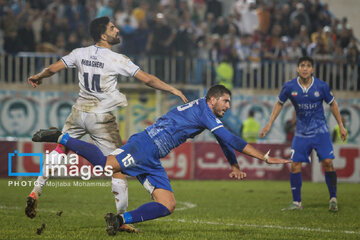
102 128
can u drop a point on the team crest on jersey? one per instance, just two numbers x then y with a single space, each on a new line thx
316 94
294 93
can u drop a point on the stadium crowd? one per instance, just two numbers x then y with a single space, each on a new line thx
251 30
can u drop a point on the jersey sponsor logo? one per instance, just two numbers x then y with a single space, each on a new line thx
294 93
218 121
307 106
316 94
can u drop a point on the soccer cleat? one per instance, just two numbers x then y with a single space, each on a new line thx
113 223
128 228
47 135
333 205
31 204
293 206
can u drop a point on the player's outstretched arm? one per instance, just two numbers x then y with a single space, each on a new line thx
253 152
36 79
275 112
335 111
156 83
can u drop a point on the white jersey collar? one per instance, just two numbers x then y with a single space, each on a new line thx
305 90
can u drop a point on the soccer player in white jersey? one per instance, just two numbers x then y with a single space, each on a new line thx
98 69
307 94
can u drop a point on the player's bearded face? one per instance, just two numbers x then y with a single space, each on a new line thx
113 39
112 34
221 105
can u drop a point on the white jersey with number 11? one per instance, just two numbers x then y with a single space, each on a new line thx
98 71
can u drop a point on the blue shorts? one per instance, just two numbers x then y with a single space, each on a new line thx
140 158
302 146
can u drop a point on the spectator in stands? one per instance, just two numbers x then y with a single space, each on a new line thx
225 72
294 51
250 128
48 33
106 10
161 37
300 15
220 27
140 13
27 38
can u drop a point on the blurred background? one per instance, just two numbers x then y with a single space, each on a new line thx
250 46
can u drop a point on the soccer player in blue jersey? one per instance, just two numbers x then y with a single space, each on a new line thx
307 94
140 156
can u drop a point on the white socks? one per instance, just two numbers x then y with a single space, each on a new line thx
120 191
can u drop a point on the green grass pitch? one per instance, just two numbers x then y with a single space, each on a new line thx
205 210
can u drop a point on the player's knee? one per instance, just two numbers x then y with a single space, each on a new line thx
112 162
295 167
171 205
328 165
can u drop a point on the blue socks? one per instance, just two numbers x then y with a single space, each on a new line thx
296 183
87 150
331 182
145 212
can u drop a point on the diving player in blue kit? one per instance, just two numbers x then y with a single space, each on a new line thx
307 94
140 156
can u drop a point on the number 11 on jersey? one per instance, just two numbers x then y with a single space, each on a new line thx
95 83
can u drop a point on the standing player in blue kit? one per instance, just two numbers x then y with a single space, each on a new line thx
307 94
140 156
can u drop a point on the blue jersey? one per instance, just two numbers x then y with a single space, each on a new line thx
187 121
308 104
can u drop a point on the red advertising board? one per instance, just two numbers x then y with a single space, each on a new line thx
178 163
346 164
6 148
210 163
205 160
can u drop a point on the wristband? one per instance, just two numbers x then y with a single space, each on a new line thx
266 156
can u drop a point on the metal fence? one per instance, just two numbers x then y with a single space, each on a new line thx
188 71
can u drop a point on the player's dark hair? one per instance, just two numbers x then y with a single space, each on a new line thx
304 59
98 27
217 91
18 105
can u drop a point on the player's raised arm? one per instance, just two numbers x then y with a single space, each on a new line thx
335 111
154 82
36 79
227 140
251 151
275 112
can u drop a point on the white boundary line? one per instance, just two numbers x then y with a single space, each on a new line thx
188 205
259 226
